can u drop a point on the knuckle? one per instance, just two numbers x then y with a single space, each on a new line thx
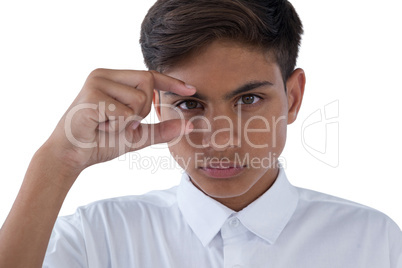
92 81
147 80
141 97
148 77
97 72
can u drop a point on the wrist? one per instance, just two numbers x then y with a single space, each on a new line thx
56 165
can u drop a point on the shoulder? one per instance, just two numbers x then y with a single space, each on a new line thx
127 207
346 225
157 198
324 207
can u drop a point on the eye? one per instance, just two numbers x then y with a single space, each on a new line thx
189 104
248 99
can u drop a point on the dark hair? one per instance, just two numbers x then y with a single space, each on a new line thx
173 29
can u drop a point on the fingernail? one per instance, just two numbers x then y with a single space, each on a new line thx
190 86
135 124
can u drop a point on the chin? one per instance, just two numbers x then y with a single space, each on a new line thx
224 187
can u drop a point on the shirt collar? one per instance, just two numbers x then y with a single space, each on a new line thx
204 214
266 217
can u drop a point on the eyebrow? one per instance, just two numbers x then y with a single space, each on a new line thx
244 88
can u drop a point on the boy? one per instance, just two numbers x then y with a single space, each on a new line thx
234 206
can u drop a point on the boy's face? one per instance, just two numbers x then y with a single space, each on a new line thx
240 114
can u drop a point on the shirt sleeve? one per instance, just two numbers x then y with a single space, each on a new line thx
395 238
66 247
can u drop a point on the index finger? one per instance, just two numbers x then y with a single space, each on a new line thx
171 84
146 81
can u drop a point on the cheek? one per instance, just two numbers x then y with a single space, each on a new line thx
183 153
265 132
179 147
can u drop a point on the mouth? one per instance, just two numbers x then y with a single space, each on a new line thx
222 170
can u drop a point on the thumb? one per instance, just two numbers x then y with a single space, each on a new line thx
166 131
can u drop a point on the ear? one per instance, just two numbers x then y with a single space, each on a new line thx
156 100
295 90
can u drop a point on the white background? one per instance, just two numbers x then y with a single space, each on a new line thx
351 53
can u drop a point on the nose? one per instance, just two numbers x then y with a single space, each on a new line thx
223 133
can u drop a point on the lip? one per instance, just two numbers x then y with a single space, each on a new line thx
222 172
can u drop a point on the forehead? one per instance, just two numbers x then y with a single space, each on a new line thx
224 66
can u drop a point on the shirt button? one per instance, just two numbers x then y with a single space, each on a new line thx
234 223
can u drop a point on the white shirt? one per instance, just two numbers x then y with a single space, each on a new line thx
287 227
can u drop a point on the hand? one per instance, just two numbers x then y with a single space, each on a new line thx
104 120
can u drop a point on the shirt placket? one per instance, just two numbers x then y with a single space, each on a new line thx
234 236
